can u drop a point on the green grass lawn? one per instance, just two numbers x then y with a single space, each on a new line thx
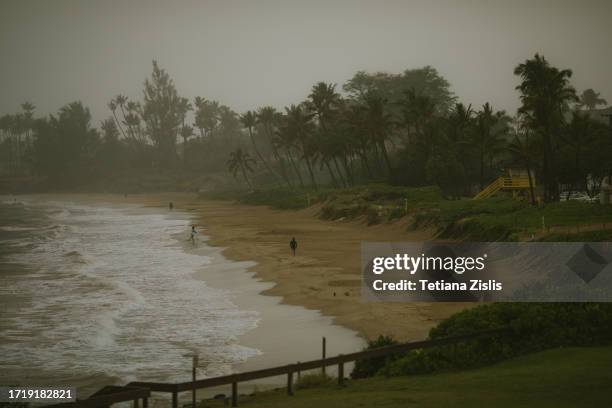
571 377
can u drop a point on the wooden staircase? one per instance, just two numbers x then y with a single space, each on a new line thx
504 183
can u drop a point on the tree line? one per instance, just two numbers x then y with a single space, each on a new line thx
406 129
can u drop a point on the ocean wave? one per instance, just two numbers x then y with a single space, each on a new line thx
117 290
13 228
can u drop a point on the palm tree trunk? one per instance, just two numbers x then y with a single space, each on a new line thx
264 161
531 192
364 159
481 168
331 174
337 166
297 171
244 174
347 169
386 157
312 177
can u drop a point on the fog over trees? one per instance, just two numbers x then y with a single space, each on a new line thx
406 129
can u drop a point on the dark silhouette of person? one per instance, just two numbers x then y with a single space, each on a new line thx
293 245
193 234
170 205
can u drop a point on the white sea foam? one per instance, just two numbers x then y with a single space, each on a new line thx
109 291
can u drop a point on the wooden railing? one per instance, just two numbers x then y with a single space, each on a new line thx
288 370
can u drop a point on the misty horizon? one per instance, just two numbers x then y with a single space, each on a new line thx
249 55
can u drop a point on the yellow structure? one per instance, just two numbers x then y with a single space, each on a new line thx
515 181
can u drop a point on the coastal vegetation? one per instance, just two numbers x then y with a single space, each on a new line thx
533 327
547 345
401 130
564 377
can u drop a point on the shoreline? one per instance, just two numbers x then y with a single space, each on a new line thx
324 275
283 333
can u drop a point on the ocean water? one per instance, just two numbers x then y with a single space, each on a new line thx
108 293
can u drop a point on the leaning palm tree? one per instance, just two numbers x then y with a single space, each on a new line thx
378 123
285 141
112 105
241 161
249 120
267 117
325 103
301 129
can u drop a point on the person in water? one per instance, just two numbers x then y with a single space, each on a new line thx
193 234
170 205
293 245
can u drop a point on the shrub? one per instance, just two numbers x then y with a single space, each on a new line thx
534 327
313 380
369 367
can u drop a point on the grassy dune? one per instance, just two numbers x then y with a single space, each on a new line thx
571 377
493 219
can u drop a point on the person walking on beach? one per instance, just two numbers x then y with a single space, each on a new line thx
293 245
193 234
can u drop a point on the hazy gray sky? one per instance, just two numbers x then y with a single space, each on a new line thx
254 52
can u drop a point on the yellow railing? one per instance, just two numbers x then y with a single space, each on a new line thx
503 183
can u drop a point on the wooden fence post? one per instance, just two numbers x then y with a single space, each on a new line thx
234 394
341 373
135 403
323 350
290 383
299 372
194 364
145 403
174 399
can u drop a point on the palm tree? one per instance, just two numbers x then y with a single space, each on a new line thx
580 134
324 102
378 123
112 105
229 124
285 140
199 121
522 149
28 117
460 136
485 120
545 95
206 117
249 120
591 99
267 118
241 161
356 125
301 128
417 110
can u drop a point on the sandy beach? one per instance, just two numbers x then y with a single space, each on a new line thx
325 273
